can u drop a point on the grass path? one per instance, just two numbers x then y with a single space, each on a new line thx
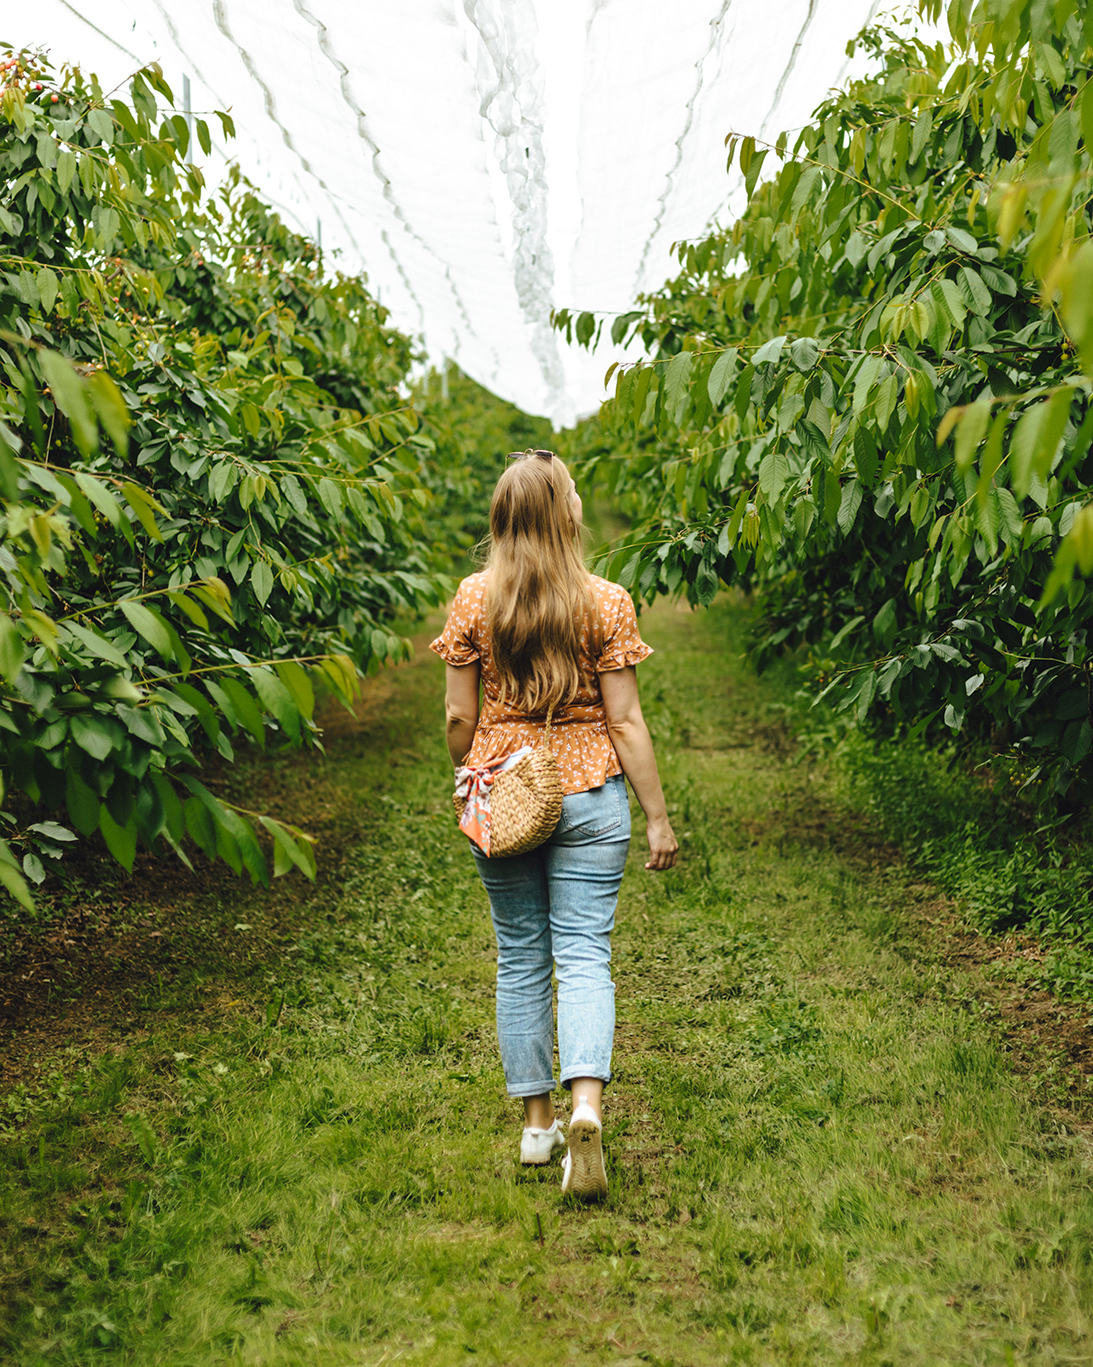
817 1151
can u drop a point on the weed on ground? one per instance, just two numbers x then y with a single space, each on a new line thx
818 1152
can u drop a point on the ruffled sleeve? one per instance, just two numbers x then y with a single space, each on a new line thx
456 643
622 643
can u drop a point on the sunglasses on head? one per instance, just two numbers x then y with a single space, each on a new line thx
540 455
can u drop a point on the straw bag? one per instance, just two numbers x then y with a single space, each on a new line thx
514 804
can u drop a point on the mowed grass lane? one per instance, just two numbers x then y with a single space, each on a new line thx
817 1152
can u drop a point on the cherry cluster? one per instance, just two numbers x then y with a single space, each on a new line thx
22 73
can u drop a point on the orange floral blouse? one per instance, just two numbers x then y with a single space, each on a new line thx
578 733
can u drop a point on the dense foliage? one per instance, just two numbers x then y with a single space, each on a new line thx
214 482
869 397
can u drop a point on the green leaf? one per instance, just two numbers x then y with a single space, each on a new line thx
173 816
71 397
148 623
142 503
1081 534
111 410
100 496
949 299
644 375
770 352
849 505
182 696
98 644
121 841
261 578
246 709
141 723
12 648
804 189
278 701
11 472
92 733
992 455
102 124
288 852
82 803
33 868
885 623
295 679
121 688
181 130
986 519
243 834
200 826
48 288
230 822
224 476
330 496
189 609
773 473
863 382
674 388
721 376
1009 518
227 847
341 675
52 830
804 512
976 294
865 456
970 431
15 883
887 398
921 505
753 171
843 632
216 596
804 353
1076 298
1036 440
920 135
66 169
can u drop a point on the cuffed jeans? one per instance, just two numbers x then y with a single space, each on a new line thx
555 906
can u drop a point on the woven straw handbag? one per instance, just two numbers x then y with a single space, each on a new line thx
525 801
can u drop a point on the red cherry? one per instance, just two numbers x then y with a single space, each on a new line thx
55 98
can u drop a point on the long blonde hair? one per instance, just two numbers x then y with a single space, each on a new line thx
539 597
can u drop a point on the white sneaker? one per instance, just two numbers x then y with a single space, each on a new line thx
583 1172
538 1146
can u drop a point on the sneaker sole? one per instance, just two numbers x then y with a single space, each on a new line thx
587 1175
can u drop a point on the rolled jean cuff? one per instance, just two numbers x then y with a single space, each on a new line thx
585 1070
532 1088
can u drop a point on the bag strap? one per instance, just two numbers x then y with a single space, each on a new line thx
550 718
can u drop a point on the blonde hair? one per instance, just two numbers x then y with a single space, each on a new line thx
539 596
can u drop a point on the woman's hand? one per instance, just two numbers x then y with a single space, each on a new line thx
663 846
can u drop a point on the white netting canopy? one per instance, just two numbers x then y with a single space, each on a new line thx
482 160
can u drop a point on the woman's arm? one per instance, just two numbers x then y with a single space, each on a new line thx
631 739
461 708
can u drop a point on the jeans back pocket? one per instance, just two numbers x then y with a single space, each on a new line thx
594 812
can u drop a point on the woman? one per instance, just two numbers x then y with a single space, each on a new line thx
537 631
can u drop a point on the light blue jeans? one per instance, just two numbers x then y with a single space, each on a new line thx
555 906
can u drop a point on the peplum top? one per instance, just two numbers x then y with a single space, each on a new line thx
578 734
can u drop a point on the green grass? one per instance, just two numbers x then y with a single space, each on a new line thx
1011 866
817 1151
